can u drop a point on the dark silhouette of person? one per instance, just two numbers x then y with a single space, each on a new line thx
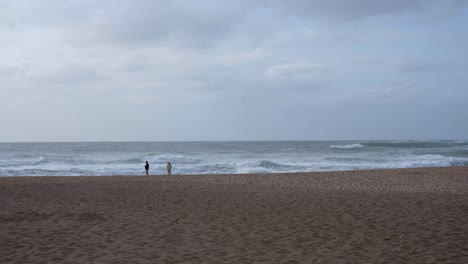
147 168
169 168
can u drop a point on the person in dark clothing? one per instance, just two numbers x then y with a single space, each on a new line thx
147 168
169 168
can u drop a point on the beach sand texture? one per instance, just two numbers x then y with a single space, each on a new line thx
374 216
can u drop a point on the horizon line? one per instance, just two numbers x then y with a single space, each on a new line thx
248 140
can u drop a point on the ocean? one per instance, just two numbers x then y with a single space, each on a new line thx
128 158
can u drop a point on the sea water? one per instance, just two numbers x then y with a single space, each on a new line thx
128 158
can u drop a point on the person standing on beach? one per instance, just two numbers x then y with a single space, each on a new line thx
169 168
147 168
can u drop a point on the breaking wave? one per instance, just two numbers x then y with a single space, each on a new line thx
73 159
349 146
414 144
175 159
21 162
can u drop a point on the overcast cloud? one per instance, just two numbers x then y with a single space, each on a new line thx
233 70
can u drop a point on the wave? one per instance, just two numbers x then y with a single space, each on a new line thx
82 161
411 161
349 146
413 144
265 166
251 166
175 159
210 158
125 161
449 152
21 162
239 167
272 165
431 160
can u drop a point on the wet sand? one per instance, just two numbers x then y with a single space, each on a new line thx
374 216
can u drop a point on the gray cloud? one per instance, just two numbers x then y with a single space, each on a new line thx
193 24
168 23
248 67
355 9
417 66
69 74
202 24
296 70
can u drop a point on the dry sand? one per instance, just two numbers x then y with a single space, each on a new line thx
375 216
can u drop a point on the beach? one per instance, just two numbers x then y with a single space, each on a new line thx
417 215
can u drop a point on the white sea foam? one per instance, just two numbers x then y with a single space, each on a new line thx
405 161
221 158
20 162
349 146
175 159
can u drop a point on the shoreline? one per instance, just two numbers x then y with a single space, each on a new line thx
415 215
229 174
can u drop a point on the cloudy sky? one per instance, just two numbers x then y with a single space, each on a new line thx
82 70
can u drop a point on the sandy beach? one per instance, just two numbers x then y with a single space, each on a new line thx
373 216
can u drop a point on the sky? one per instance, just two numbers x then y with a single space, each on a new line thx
149 70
